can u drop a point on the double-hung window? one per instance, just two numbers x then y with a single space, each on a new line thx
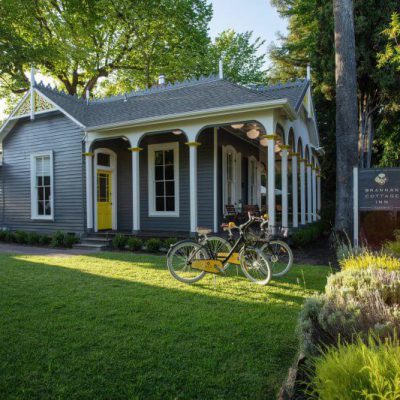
42 199
164 179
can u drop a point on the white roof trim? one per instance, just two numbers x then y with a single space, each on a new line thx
12 119
201 114
60 108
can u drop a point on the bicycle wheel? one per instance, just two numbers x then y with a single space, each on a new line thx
255 265
179 261
216 244
279 255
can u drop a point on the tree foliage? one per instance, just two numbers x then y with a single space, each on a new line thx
310 40
80 41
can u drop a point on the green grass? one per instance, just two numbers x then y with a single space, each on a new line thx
118 326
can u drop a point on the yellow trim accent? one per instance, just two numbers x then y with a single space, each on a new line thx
270 137
195 144
309 164
294 154
285 147
104 205
302 159
88 154
135 149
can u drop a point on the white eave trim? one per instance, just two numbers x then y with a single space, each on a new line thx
235 109
60 108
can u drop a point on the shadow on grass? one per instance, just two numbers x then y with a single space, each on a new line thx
73 334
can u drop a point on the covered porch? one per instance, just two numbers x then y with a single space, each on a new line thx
171 177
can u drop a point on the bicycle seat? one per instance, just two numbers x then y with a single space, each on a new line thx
203 231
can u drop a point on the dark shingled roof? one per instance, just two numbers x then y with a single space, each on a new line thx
194 95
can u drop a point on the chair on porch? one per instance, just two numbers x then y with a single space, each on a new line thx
230 213
253 209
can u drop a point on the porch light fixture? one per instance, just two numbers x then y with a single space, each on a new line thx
177 132
253 134
237 126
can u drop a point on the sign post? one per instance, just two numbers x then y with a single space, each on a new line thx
355 206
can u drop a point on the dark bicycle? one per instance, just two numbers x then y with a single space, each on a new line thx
188 261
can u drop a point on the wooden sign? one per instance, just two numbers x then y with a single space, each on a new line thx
374 189
379 189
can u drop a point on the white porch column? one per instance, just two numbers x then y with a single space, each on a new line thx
295 191
135 189
319 193
309 193
302 162
89 184
271 179
215 167
314 193
285 206
193 184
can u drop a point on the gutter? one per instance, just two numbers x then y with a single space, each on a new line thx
217 111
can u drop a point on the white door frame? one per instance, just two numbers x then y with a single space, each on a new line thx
113 169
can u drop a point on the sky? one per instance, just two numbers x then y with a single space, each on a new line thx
247 15
241 15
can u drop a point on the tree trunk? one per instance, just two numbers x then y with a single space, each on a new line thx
346 113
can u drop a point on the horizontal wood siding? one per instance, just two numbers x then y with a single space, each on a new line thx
48 132
177 224
124 180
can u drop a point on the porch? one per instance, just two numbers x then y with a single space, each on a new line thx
172 178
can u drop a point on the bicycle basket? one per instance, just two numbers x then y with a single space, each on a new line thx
252 232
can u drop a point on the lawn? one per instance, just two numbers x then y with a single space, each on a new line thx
117 326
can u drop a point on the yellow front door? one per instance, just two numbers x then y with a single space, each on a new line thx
104 200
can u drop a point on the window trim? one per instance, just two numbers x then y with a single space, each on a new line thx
253 192
34 194
151 149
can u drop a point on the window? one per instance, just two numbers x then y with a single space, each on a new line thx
164 179
229 177
42 204
253 181
103 159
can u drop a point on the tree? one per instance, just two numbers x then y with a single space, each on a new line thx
240 55
310 38
346 112
391 54
79 42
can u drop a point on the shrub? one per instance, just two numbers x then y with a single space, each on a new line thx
394 246
119 241
44 240
135 244
58 239
169 242
356 301
304 236
70 239
2 235
9 237
33 238
20 237
369 259
358 371
153 245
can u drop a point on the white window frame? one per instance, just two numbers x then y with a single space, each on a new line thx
253 187
236 178
152 148
34 193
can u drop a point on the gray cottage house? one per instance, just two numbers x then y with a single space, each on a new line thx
167 159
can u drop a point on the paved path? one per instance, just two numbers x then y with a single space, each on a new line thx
41 251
